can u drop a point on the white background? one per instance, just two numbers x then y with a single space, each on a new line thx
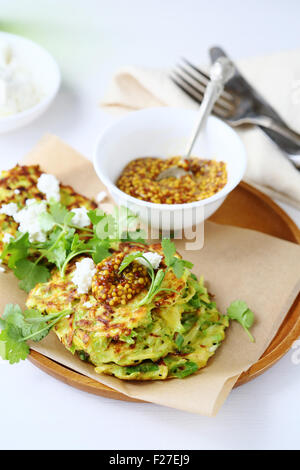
90 40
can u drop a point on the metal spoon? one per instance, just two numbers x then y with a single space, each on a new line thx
221 71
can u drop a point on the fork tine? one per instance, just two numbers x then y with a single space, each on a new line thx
197 96
225 108
202 74
205 78
196 83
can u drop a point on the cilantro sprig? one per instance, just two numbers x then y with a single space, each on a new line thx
156 278
239 311
176 264
32 262
18 327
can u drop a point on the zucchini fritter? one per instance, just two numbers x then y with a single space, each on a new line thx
173 336
19 184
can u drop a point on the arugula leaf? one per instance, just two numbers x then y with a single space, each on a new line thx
30 274
239 311
17 327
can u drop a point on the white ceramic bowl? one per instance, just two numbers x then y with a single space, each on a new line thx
46 76
164 132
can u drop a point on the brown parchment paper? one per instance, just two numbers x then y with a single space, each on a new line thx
237 263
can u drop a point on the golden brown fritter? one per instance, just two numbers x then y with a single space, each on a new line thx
133 341
20 183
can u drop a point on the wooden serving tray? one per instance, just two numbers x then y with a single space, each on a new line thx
245 207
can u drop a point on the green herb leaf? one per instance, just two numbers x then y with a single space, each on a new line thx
68 218
96 216
77 244
129 259
101 252
58 212
177 264
64 242
12 349
30 274
169 250
17 249
57 255
239 311
156 279
17 328
46 221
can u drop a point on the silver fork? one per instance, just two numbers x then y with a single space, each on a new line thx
239 104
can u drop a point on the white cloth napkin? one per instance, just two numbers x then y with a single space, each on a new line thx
276 77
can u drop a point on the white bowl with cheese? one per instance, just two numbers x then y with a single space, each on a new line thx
29 81
164 132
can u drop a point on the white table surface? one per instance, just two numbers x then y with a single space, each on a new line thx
90 39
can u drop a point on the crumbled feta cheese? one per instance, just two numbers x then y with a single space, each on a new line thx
7 237
28 220
17 191
153 258
83 275
2 270
213 348
30 202
101 196
9 209
49 185
88 304
81 218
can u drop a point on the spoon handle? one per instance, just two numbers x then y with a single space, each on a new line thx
221 71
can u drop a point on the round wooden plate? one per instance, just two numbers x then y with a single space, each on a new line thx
245 207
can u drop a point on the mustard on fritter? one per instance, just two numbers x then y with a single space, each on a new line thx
173 336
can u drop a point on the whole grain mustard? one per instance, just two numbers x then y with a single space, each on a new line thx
138 180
